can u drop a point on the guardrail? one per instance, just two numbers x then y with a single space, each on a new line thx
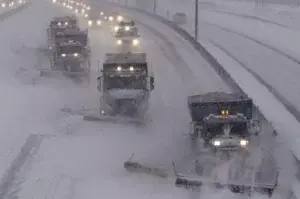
214 64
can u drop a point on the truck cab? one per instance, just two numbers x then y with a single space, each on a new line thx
69 57
125 84
223 121
59 25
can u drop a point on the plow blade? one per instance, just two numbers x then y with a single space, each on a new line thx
190 182
50 73
114 119
80 112
76 74
140 168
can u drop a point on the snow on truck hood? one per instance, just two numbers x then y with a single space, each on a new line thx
127 93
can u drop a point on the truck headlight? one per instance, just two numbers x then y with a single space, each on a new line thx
86 15
216 143
82 11
110 18
135 42
120 18
116 28
63 55
88 8
131 68
98 22
127 28
90 22
119 68
119 42
3 5
75 54
53 1
101 13
244 142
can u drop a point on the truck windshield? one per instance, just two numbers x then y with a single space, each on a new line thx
131 82
237 128
64 23
69 49
122 33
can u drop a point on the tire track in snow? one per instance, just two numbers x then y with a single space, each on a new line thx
256 41
256 18
28 150
171 54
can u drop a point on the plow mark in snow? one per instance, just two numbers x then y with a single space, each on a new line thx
63 186
268 46
10 178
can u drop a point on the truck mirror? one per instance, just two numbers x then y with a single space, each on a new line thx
151 83
99 83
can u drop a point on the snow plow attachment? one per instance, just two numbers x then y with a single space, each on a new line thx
45 72
81 74
48 72
139 168
236 186
80 112
115 119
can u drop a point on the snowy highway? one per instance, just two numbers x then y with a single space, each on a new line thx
51 154
70 150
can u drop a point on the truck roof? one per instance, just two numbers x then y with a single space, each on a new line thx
216 97
124 58
201 106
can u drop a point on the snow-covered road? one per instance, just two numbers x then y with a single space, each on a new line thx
71 150
64 157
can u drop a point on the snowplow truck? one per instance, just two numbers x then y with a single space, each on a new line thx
60 24
224 123
74 36
70 59
125 85
127 41
124 26
222 120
